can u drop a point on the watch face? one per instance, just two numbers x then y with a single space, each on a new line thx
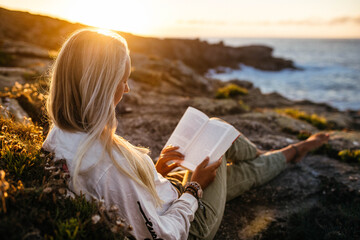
200 193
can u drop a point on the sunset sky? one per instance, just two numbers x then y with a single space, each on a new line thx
208 18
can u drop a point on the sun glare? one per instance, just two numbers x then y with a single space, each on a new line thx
125 16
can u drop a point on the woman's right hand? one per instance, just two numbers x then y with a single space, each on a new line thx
205 174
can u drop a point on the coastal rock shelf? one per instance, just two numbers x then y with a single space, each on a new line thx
200 55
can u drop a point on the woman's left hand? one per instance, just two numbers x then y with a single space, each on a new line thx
169 153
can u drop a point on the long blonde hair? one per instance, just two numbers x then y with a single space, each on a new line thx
84 79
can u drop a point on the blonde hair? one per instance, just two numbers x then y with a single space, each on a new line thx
84 79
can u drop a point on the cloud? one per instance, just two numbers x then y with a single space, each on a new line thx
313 21
304 22
342 20
202 22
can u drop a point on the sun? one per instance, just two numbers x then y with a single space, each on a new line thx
127 16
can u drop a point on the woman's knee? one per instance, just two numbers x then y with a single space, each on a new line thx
241 150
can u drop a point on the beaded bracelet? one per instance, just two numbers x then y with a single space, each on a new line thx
194 189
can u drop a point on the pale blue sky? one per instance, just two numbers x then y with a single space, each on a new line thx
208 18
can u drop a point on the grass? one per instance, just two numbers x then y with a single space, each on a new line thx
303 135
315 120
244 106
348 155
31 97
230 91
34 203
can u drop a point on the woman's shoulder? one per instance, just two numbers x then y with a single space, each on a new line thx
65 145
62 142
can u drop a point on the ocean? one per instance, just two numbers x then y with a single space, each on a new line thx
331 69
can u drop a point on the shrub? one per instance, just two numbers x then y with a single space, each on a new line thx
244 106
20 146
31 98
303 135
350 155
314 119
230 91
33 193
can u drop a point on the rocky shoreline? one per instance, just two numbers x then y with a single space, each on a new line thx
168 76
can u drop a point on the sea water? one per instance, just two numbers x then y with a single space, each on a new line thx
331 69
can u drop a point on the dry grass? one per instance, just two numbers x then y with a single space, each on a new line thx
33 193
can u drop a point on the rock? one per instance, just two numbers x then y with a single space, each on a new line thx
34 109
299 187
271 141
199 55
39 65
279 122
256 99
25 57
168 77
242 83
15 71
23 49
40 30
12 106
9 81
341 140
217 107
335 118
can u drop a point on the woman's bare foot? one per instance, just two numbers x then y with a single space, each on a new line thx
302 148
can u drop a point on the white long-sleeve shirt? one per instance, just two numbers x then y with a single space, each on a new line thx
99 178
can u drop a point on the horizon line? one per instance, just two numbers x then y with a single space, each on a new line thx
163 36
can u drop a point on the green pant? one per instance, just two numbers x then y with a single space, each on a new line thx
244 170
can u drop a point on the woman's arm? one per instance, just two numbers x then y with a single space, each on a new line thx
137 207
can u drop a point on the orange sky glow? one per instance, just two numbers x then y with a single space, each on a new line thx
207 18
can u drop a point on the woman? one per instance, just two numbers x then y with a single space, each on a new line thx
89 78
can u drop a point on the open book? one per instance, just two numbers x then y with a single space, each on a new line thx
199 137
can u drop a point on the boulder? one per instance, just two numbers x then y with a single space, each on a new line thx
14 109
279 122
217 107
24 49
341 140
256 99
9 81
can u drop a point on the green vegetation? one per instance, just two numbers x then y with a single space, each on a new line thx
302 135
346 155
230 91
317 121
30 76
350 155
33 194
31 98
244 106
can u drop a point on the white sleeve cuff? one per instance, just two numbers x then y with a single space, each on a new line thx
191 200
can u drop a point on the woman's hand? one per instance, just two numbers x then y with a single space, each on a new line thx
203 174
169 153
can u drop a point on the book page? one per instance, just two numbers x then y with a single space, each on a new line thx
188 127
210 137
224 144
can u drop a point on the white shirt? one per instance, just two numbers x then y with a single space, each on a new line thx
99 178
